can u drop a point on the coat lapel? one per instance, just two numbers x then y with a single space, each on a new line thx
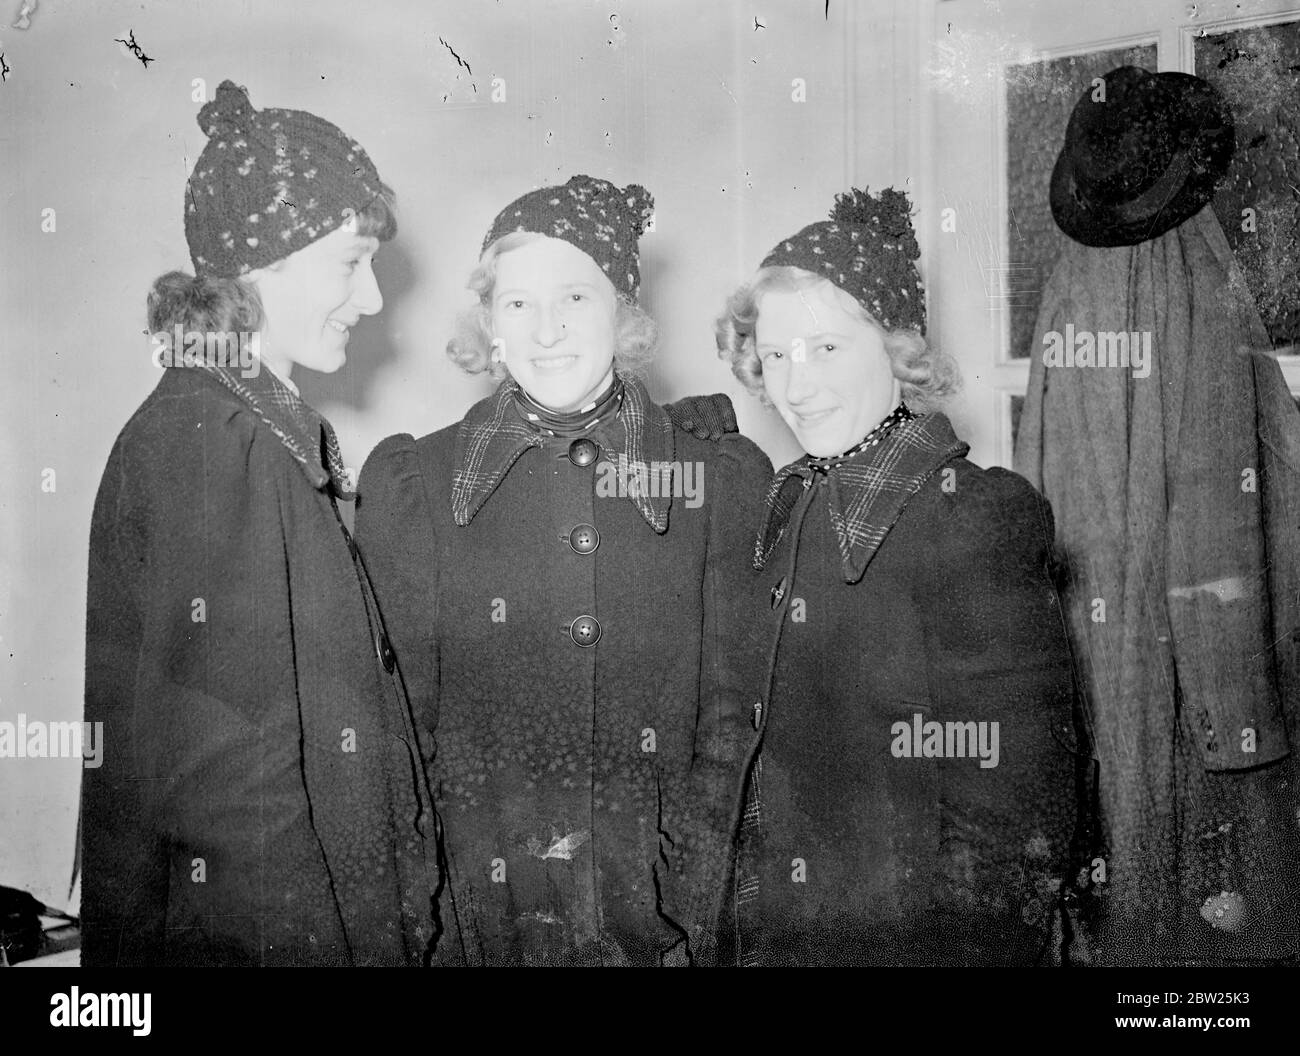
492 436
865 495
300 428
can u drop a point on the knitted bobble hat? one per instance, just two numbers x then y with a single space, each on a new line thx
868 249
268 183
602 220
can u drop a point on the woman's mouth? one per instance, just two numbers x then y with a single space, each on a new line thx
340 327
808 418
554 364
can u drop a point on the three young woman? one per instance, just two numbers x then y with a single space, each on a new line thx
602 665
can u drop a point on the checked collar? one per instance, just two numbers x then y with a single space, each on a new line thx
493 435
865 493
299 426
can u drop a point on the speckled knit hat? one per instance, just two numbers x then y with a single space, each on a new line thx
602 220
868 249
268 183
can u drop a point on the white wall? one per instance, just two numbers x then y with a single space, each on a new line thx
685 97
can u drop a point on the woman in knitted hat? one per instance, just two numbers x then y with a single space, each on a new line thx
911 788
559 572
256 804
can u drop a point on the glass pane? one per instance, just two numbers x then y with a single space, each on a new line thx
1258 72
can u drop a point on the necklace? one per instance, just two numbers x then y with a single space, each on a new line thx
892 421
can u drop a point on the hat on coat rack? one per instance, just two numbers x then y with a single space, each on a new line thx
1143 152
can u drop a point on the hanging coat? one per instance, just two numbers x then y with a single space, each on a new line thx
563 610
912 795
1176 485
256 802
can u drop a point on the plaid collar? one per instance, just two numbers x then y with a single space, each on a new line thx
307 435
492 436
866 494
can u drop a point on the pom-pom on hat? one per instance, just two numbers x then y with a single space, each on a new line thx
602 220
868 249
268 183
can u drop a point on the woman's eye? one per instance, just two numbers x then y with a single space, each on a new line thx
828 347
576 297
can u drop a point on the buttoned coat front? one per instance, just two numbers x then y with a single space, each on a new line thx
567 642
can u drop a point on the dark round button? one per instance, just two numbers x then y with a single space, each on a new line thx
385 652
585 631
583 452
584 539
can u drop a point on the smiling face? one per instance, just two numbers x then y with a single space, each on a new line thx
825 368
554 310
312 298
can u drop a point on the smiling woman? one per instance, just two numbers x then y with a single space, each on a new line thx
900 589
564 614
257 802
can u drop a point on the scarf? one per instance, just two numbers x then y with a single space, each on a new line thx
866 491
570 424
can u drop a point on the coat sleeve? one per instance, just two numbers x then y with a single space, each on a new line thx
998 653
189 665
695 893
395 534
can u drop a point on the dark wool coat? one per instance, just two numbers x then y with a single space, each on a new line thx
1178 504
585 794
854 850
256 803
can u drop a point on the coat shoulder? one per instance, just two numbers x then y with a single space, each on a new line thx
733 456
404 469
186 434
974 508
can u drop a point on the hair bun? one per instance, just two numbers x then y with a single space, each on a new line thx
230 112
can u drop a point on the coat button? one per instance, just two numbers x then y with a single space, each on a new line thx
584 539
778 592
385 652
585 631
583 452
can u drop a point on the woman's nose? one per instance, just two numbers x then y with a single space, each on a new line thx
799 381
366 297
549 328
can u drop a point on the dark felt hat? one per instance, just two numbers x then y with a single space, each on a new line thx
1140 156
